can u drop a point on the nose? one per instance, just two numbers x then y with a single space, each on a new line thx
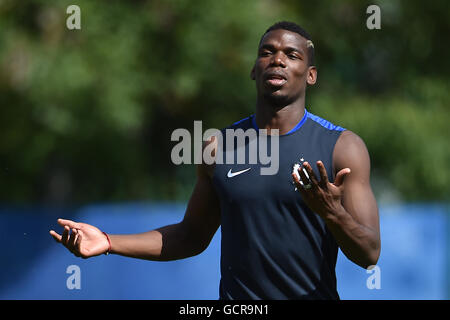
277 60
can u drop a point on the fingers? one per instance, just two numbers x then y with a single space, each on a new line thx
55 236
299 185
78 242
296 179
71 224
308 177
311 175
304 177
323 175
340 176
301 179
72 241
65 236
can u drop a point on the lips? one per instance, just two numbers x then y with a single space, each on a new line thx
275 82
275 79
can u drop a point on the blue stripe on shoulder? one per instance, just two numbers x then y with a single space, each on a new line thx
242 120
324 123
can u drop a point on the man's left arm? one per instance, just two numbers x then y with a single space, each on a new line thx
347 205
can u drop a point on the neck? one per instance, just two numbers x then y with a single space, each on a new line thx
283 117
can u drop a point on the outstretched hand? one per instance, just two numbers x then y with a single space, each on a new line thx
323 197
82 239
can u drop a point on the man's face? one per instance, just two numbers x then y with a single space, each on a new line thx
281 70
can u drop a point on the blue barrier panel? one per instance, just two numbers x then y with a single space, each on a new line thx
36 265
412 263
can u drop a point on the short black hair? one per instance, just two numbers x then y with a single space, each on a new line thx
293 27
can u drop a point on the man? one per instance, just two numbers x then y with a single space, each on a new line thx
278 242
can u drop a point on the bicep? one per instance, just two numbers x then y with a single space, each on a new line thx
202 217
358 198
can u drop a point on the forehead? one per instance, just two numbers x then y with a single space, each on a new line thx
282 38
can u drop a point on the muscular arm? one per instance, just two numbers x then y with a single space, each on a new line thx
356 225
348 205
177 241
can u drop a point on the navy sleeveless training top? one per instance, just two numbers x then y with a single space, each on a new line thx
273 246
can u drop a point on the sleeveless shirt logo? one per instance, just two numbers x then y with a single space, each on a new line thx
295 171
233 174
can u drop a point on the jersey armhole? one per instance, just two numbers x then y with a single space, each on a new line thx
333 169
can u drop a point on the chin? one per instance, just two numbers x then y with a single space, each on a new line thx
277 98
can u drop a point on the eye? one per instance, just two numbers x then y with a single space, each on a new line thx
292 56
264 53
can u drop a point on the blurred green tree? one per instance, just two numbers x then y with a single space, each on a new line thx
86 115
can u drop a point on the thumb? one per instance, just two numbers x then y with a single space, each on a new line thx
340 176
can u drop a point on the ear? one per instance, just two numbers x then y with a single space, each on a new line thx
252 73
312 75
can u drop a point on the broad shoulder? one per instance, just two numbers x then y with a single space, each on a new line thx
350 152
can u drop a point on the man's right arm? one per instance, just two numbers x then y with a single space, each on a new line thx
177 241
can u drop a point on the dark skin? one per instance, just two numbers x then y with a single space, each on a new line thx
348 207
282 54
